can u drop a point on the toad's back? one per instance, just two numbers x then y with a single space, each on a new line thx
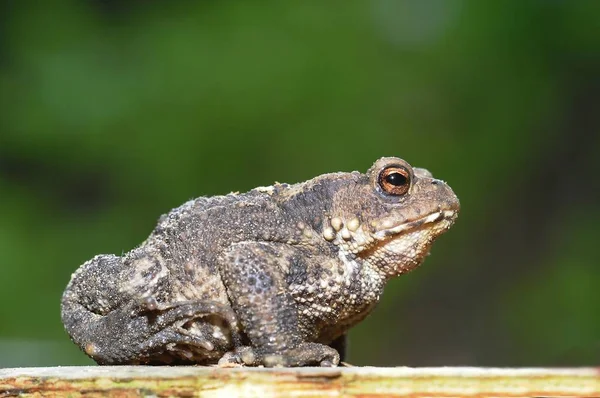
202 228
186 244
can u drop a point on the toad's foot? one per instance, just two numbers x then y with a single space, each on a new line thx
306 354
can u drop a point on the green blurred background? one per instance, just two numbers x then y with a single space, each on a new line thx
114 112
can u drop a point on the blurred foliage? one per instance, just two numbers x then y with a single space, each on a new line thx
113 112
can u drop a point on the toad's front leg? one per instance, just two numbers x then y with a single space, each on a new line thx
254 277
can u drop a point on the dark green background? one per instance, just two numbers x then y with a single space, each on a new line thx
113 112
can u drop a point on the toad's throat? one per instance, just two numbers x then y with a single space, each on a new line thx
442 215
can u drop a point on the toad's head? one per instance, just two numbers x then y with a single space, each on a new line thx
389 216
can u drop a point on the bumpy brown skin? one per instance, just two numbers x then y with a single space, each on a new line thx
275 276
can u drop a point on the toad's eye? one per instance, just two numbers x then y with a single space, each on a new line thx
394 180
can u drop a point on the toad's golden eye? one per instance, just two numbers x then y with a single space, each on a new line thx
394 180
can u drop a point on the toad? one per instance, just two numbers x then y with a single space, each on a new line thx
275 276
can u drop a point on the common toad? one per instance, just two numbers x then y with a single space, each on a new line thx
275 276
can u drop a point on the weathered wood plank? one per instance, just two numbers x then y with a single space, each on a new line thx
135 381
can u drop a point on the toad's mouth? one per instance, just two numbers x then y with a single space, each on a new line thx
446 216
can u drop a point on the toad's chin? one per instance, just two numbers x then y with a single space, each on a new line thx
435 223
403 248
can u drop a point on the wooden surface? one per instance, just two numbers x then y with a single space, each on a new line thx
134 381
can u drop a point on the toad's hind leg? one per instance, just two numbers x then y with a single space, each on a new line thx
116 326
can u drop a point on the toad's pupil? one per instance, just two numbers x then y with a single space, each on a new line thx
396 179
